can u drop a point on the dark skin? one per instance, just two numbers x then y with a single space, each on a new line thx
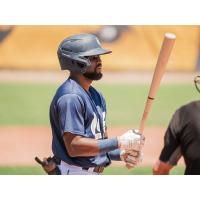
80 146
77 145
96 66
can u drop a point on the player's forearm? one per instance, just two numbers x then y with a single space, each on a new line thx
90 147
161 168
83 147
160 171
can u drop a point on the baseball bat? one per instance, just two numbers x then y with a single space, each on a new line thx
163 58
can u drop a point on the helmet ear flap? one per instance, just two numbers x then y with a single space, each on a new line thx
73 62
82 61
83 65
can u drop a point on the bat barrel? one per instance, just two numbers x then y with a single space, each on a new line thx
163 58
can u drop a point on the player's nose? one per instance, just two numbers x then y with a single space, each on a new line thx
99 60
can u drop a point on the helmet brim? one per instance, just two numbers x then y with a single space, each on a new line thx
95 52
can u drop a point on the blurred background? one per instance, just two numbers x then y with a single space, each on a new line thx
134 47
30 75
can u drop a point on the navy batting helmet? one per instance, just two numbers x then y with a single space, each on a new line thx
73 52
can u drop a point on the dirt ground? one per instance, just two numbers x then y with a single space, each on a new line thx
19 145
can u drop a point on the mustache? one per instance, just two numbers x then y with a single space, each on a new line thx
99 65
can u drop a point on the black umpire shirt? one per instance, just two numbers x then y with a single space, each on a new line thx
183 138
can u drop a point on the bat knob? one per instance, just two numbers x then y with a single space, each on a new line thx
170 36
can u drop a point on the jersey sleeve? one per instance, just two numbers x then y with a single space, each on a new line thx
71 114
171 151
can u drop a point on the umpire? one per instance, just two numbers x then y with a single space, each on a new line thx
182 138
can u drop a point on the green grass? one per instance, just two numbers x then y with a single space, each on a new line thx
28 104
126 103
25 104
138 171
31 170
108 171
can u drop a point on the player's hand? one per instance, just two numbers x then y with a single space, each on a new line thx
131 140
131 158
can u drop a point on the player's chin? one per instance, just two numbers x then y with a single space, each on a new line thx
97 76
94 76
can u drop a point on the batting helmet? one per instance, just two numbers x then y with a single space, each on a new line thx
73 52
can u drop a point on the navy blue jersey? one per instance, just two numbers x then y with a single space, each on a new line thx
79 112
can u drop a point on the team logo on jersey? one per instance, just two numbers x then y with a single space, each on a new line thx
104 121
95 126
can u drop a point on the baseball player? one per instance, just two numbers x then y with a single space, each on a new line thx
78 115
182 138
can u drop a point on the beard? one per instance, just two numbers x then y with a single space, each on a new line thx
94 76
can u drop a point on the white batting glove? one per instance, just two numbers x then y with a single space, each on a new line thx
131 140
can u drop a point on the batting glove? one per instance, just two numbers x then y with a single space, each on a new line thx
131 140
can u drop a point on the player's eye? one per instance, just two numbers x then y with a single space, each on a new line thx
92 58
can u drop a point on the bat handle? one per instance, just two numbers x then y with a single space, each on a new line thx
39 161
146 112
141 129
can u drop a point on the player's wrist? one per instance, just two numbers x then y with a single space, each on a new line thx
107 145
118 142
115 155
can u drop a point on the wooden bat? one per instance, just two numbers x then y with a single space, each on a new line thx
163 58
